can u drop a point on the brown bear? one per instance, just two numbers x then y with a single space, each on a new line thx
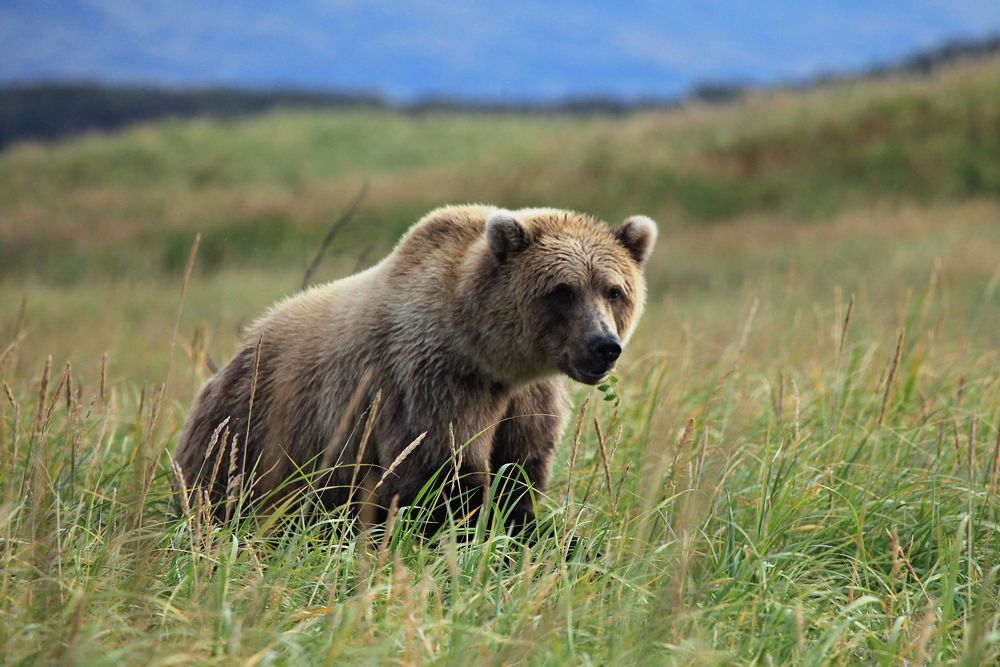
458 336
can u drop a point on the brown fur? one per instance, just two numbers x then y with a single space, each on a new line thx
457 328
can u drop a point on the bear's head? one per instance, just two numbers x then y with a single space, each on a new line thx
569 288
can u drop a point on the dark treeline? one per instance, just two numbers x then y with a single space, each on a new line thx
925 62
920 63
52 110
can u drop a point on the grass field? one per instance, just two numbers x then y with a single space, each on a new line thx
802 467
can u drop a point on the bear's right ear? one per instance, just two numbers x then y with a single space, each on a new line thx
637 234
505 235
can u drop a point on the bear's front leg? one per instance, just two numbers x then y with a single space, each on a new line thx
434 490
534 421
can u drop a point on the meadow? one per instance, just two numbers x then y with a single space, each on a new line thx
798 463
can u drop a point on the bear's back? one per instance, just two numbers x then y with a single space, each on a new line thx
440 239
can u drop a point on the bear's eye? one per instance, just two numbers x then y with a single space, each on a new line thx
563 294
615 294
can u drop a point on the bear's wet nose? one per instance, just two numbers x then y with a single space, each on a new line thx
607 348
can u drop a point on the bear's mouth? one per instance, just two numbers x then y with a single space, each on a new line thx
588 374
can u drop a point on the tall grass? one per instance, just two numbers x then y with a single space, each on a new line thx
835 505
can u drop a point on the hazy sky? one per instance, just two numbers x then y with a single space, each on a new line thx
513 49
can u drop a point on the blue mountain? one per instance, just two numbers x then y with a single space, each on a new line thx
515 50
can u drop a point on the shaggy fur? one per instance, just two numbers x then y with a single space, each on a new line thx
464 328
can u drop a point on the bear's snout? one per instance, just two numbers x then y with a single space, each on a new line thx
605 349
602 351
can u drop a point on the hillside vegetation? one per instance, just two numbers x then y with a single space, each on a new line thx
263 190
799 461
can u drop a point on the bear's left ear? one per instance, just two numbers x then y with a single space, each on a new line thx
505 235
637 234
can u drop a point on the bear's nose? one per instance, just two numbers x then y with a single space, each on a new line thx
607 348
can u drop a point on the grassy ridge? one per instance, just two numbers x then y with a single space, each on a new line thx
802 468
262 191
